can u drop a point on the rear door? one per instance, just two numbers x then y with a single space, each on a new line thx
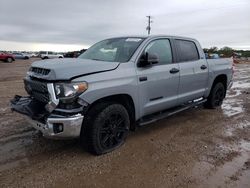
157 84
193 71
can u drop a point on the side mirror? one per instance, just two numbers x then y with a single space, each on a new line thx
148 59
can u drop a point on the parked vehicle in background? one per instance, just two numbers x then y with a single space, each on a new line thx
7 57
212 56
50 55
28 54
33 55
19 55
71 54
118 84
74 54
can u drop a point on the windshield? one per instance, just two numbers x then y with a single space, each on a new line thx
113 50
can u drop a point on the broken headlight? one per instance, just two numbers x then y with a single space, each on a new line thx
70 90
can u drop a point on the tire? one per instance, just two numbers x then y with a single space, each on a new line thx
9 60
216 96
105 128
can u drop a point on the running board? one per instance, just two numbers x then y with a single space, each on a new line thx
170 112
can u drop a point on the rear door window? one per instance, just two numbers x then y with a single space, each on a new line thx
187 50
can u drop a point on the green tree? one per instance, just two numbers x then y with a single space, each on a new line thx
213 49
226 51
205 50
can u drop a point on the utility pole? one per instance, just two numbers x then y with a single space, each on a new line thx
148 28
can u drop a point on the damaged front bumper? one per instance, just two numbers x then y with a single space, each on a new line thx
59 128
51 125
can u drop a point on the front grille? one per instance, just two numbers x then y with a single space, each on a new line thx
37 89
40 71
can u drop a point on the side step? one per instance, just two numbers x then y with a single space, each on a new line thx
164 114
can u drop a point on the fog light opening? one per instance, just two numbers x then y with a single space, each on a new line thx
57 127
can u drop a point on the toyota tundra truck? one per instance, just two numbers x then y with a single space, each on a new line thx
119 84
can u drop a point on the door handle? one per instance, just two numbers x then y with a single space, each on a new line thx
143 78
203 67
174 70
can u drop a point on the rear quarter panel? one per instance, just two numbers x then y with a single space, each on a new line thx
219 67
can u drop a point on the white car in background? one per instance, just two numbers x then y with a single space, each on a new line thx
50 55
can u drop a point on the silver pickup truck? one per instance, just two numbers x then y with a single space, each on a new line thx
119 84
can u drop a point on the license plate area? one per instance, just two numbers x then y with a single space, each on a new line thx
37 125
40 126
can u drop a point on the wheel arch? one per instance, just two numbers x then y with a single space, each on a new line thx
210 103
123 99
220 78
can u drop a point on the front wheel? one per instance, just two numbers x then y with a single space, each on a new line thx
105 128
216 96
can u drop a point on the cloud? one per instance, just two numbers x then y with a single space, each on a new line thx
220 22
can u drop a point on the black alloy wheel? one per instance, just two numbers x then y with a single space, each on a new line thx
113 131
219 96
216 96
105 127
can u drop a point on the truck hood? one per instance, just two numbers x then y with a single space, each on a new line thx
68 68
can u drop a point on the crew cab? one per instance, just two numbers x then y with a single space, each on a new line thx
9 58
119 84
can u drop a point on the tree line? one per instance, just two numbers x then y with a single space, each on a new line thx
227 51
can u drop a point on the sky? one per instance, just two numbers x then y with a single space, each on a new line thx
63 25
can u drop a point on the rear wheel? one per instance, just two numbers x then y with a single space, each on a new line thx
9 60
216 96
105 128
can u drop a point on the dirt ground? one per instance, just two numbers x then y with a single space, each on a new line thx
195 148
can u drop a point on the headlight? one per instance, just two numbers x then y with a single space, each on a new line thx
70 90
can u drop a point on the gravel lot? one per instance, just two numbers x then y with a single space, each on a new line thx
196 148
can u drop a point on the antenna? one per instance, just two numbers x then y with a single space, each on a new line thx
148 28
